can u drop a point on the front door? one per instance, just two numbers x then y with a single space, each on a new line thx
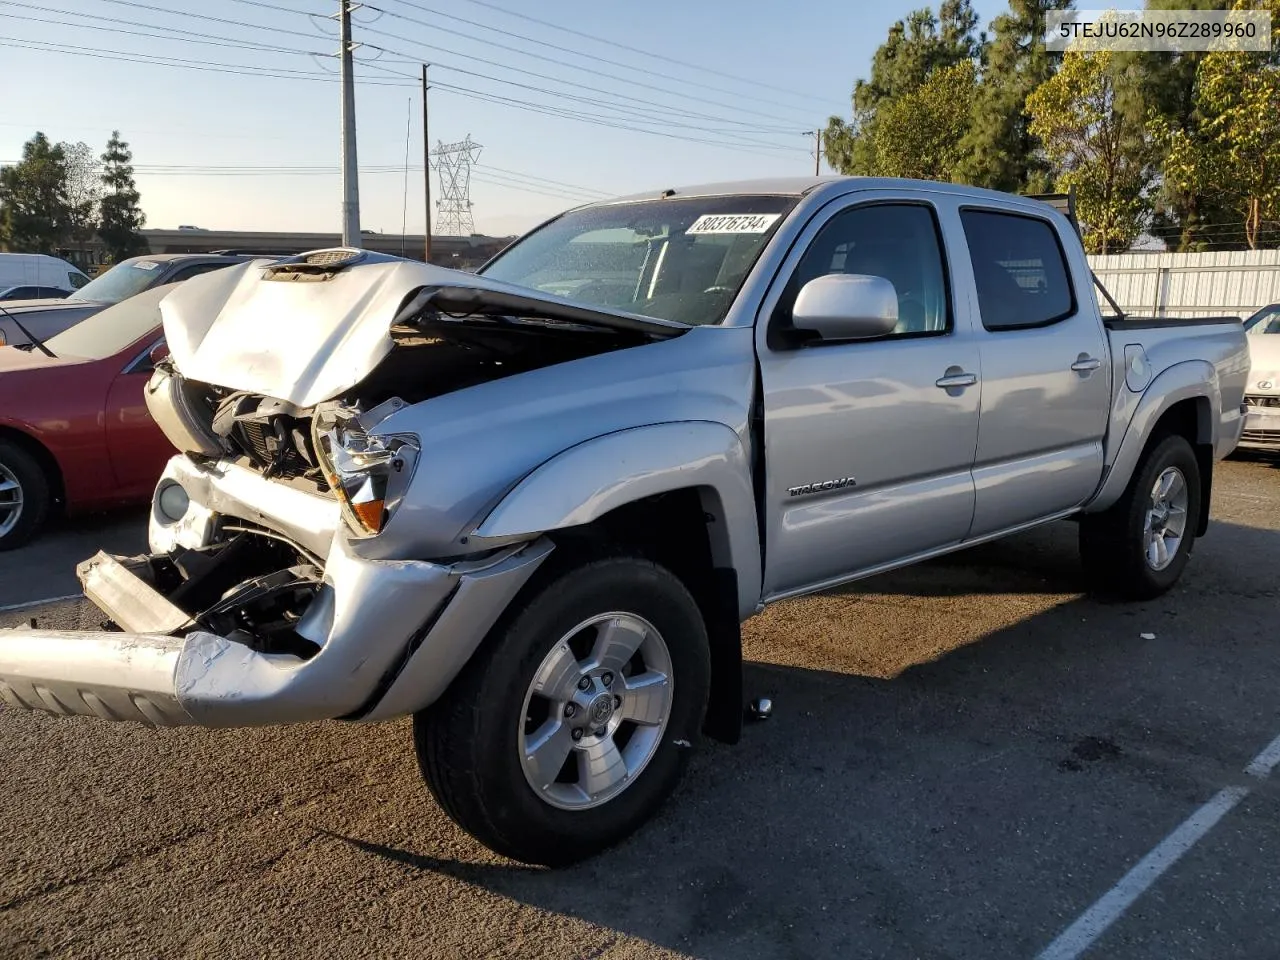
1046 382
868 444
135 445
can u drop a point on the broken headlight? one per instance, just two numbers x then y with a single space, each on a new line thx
369 474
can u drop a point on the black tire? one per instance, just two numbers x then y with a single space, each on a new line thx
36 496
468 741
1113 543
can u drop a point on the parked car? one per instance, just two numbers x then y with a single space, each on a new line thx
1262 394
74 428
49 317
535 522
39 270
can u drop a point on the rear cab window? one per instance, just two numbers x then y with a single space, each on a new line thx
1019 269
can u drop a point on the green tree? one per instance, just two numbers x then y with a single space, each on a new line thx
1232 154
919 134
33 198
1095 148
120 216
1000 151
914 49
83 192
1163 83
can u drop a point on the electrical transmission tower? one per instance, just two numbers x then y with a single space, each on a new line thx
453 161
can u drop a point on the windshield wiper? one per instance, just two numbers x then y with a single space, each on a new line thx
29 335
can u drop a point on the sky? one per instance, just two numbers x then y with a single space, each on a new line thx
232 107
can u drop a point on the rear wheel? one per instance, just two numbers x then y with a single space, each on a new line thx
569 728
1138 548
24 496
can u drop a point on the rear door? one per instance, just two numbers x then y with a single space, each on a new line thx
868 444
1046 388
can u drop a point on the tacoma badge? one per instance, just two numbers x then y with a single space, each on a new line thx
821 487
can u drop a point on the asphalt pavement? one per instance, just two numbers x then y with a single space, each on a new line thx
965 759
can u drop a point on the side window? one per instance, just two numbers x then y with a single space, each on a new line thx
1019 270
78 280
899 242
144 363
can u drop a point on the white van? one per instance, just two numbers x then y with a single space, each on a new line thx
35 276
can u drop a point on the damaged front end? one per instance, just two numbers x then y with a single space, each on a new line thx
271 594
252 628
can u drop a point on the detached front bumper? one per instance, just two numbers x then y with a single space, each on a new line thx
390 637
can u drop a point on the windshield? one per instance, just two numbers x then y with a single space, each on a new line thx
120 282
111 330
1266 320
681 260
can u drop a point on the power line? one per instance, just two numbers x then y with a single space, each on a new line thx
191 38
666 91
250 70
553 111
436 27
749 126
626 113
676 110
496 176
649 53
205 39
650 112
134 4
562 183
235 69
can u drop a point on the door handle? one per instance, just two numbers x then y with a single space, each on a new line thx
1086 364
956 380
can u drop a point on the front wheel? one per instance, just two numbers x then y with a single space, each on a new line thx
24 496
1138 548
571 725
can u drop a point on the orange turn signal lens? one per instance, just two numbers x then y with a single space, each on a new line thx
370 514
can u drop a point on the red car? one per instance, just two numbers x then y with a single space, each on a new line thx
74 428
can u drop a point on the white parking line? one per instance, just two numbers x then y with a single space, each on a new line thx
1080 936
36 603
1262 765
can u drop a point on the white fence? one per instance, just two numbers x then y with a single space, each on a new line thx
1229 283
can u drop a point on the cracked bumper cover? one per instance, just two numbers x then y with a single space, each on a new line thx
392 635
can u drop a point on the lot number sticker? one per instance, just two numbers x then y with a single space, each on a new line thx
732 223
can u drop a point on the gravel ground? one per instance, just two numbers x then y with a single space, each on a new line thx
963 757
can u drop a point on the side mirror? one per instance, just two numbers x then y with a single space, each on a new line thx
159 352
846 306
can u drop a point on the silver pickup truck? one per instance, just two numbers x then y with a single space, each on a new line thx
531 507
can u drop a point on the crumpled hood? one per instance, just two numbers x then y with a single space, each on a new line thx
307 339
1264 357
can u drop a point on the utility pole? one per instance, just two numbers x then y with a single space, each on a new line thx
426 163
350 169
817 150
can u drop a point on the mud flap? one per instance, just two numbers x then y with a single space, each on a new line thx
720 611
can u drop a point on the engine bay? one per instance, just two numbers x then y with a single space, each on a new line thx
430 357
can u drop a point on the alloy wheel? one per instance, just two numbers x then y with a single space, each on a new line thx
595 711
1165 524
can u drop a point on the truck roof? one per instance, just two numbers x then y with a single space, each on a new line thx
800 186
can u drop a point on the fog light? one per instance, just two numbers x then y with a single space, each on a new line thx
173 502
